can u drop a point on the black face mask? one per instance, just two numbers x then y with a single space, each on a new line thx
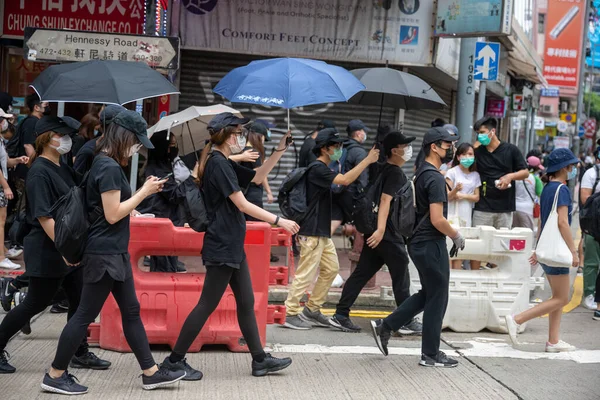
449 155
47 110
173 153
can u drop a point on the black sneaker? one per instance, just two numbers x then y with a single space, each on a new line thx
162 377
442 360
89 361
381 335
274 258
26 329
191 374
180 264
596 316
180 270
64 385
60 308
146 261
5 367
270 364
344 324
414 327
7 293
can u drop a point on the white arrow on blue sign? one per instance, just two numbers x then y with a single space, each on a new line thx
487 58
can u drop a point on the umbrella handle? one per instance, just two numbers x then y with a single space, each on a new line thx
288 119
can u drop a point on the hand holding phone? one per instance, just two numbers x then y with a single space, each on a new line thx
166 177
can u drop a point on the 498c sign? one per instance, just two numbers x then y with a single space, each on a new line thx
108 16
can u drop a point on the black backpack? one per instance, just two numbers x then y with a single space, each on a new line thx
340 167
403 210
292 197
193 205
14 148
589 213
366 207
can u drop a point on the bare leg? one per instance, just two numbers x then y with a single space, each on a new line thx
457 264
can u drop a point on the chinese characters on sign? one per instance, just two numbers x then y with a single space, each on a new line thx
495 108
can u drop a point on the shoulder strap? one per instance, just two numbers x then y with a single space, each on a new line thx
597 168
555 203
527 190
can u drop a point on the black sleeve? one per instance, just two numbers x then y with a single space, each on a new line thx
518 161
29 131
39 196
83 160
109 178
244 175
435 185
394 181
321 175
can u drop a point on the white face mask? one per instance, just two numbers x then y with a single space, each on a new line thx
134 149
408 153
64 144
238 145
3 125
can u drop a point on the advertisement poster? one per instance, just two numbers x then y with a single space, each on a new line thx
473 18
564 33
495 108
344 30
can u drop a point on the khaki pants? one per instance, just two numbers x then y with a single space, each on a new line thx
316 253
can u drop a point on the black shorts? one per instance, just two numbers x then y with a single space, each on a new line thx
342 205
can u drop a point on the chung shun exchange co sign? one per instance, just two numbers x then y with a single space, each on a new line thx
66 46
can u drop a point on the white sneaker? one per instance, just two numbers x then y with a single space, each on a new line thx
13 253
6 263
589 302
559 347
513 329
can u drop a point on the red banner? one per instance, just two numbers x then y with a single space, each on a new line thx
564 34
108 16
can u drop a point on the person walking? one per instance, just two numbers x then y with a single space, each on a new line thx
561 167
590 184
47 180
223 252
317 249
427 249
385 245
307 156
106 264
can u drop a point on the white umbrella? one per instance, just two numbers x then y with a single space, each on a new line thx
189 126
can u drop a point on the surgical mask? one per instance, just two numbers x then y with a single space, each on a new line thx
4 125
133 150
362 138
467 161
64 144
572 174
238 146
96 132
408 153
269 134
337 154
449 155
484 139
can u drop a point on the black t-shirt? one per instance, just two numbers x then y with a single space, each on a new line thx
307 156
254 193
393 180
78 142
224 238
28 136
318 188
506 159
85 156
430 188
46 183
106 175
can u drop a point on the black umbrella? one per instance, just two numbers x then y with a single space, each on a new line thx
101 81
392 88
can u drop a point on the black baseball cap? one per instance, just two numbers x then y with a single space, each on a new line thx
133 122
395 138
325 123
327 136
259 128
267 123
224 119
6 100
356 125
108 114
438 134
54 124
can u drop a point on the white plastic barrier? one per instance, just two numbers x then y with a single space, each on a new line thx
481 299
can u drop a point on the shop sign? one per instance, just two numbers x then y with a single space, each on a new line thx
465 18
112 16
516 123
562 126
64 46
400 32
495 108
568 117
590 127
561 142
518 103
539 123
550 92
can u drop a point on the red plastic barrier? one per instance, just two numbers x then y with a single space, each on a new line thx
166 299
282 274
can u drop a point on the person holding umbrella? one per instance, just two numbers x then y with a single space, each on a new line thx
106 263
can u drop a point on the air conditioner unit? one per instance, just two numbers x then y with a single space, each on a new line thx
547 109
564 106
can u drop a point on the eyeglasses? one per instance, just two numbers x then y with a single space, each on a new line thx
241 132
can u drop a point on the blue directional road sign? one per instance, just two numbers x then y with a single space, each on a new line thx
487 58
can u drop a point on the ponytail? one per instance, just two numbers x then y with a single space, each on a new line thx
216 138
202 162
40 143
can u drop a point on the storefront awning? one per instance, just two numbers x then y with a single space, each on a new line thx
523 60
524 70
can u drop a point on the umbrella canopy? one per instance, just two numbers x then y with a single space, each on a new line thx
392 88
288 83
101 81
189 126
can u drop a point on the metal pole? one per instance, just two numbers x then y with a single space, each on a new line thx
481 99
466 90
135 160
580 106
532 129
61 109
589 110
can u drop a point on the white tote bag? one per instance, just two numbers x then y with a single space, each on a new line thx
552 250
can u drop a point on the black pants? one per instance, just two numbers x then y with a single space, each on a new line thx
215 284
40 295
93 297
393 254
433 264
21 281
163 264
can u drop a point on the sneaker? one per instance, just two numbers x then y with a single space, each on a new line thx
180 264
513 329
314 317
589 303
162 377
7 293
26 329
5 367
89 361
64 385
270 364
7 264
191 374
60 307
180 270
344 324
13 253
596 316
274 258
294 322
381 335
441 360
559 347
414 327
146 261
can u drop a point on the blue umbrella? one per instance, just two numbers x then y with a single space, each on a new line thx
288 83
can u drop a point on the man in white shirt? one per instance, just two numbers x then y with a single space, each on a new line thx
590 185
